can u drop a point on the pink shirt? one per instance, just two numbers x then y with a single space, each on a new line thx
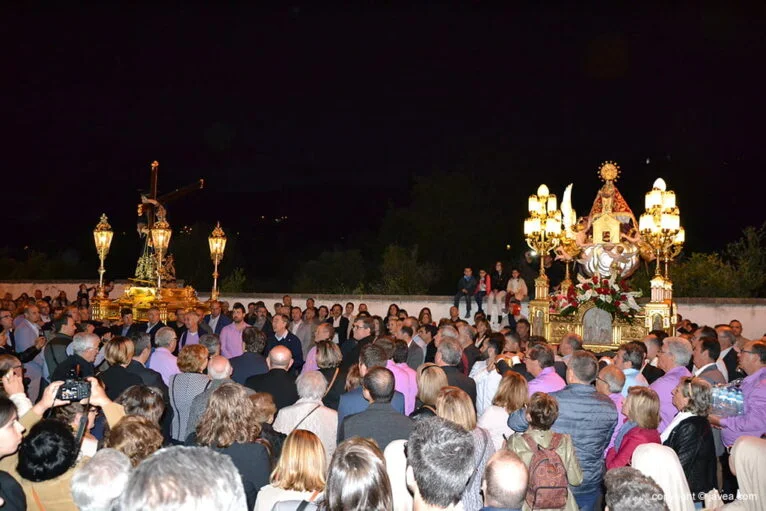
405 381
164 363
311 361
231 341
547 381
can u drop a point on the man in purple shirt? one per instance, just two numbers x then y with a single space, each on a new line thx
539 362
231 335
752 360
675 354
405 379
162 359
610 382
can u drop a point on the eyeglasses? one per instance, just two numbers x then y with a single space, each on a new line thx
748 351
360 327
601 380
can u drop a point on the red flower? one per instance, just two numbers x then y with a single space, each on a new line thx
617 303
586 287
595 279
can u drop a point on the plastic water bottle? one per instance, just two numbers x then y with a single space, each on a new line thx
740 402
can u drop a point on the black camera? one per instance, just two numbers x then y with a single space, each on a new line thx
74 390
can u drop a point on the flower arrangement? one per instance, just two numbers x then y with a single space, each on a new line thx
614 297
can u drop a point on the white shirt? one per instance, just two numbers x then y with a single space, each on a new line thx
495 420
486 385
213 321
721 365
680 416
698 371
295 325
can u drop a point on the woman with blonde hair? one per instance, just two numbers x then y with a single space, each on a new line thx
186 385
453 404
512 394
229 426
642 411
299 474
542 412
430 380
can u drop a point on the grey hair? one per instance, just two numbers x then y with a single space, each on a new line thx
141 342
680 349
573 339
164 482
100 481
219 375
728 334
211 342
448 332
82 341
164 337
614 378
451 351
311 385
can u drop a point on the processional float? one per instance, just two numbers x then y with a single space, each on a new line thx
154 283
607 246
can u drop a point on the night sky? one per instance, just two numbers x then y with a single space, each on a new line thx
324 115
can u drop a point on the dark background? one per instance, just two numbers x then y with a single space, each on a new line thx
327 115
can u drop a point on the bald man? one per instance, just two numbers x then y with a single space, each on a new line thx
219 369
505 482
279 381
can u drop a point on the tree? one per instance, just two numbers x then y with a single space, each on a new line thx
234 282
748 255
338 271
401 273
705 275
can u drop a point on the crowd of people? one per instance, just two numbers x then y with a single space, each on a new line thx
333 408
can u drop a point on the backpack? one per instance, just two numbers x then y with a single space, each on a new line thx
548 484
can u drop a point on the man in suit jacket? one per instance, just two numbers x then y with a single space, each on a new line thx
352 348
301 329
216 320
251 362
415 355
153 322
353 401
283 337
379 421
151 378
727 359
448 357
339 322
279 381
128 327
705 354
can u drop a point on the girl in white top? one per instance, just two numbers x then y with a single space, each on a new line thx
299 474
661 464
512 394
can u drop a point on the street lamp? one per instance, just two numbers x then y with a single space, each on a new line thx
217 242
161 234
660 226
102 237
542 230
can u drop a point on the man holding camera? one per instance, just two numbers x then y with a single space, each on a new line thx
80 364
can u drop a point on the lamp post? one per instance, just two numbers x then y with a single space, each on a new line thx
102 237
542 230
660 226
161 234
217 242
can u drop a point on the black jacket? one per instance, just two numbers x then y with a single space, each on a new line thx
150 378
731 363
692 439
651 373
342 329
277 382
461 381
116 379
380 422
351 350
73 367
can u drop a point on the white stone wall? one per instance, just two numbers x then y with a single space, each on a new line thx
751 312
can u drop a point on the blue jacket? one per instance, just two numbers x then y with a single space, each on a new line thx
353 402
589 418
223 320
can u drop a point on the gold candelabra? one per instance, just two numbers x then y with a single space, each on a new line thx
102 237
660 227
217 242
542 230
161 234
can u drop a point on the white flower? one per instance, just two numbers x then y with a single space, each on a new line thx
624 307
607 298
632 302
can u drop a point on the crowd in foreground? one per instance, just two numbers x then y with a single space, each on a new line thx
333 408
